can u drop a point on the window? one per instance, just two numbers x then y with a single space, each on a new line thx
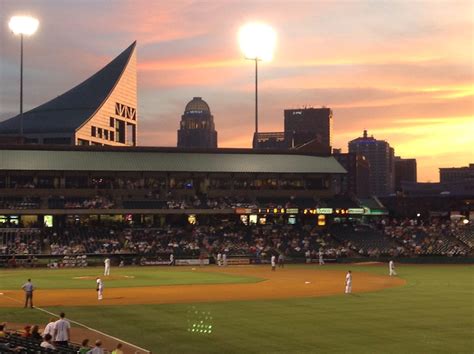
106 134
111 122
93 131
112 136
99 132
120 131
82 142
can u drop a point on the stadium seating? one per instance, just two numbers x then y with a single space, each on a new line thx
30 345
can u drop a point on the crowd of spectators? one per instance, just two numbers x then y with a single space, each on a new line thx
50 339
418 238
19 203
384 238
210 203
102 200
95 202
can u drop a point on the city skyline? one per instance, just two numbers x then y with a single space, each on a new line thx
401 70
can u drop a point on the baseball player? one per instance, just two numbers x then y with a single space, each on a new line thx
99 288
219 257
348 282
281 260
224 259
273 262
391 268
107 266
172 259
321 259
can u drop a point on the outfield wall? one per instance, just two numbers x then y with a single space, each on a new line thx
137 260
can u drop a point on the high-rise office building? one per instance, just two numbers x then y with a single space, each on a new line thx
381 158
405 171
456 174
306 125
197 128
357 180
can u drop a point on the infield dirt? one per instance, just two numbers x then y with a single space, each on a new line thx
280 284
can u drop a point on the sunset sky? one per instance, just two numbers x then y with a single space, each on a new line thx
403 70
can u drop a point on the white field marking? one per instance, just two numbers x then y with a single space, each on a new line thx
82 325
90 277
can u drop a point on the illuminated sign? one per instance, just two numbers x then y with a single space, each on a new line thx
292 211
243 211
321 220
195 112
192 219
253 219
324 210
48 220
297 113
377 212
274 211
356 210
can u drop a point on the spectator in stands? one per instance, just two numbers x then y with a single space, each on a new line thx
97 348
26 331
49 329
3 330
35 332
118 349
47 342
84 347
62 329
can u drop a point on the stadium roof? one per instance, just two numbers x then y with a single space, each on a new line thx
165 160
70 110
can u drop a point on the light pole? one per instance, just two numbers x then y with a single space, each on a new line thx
256 59
257 42
22 25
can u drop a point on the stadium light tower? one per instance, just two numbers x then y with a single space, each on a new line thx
22 25
257 42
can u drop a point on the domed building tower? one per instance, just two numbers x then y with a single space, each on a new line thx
197 126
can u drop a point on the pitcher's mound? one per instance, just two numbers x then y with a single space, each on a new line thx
106 277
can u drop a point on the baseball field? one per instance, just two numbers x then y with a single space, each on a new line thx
250 309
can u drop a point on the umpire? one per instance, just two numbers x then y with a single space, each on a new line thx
28 288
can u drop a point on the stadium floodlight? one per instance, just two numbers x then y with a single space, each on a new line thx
257 42
22 25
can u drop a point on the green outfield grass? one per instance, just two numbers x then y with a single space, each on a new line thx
139 276
433 313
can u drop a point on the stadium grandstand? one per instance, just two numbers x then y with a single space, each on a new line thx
72 205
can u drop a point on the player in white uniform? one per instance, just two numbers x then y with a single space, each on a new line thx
100 288
321 259
219 257
349 282
391 268
273 262
172 259
107 266
224 259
